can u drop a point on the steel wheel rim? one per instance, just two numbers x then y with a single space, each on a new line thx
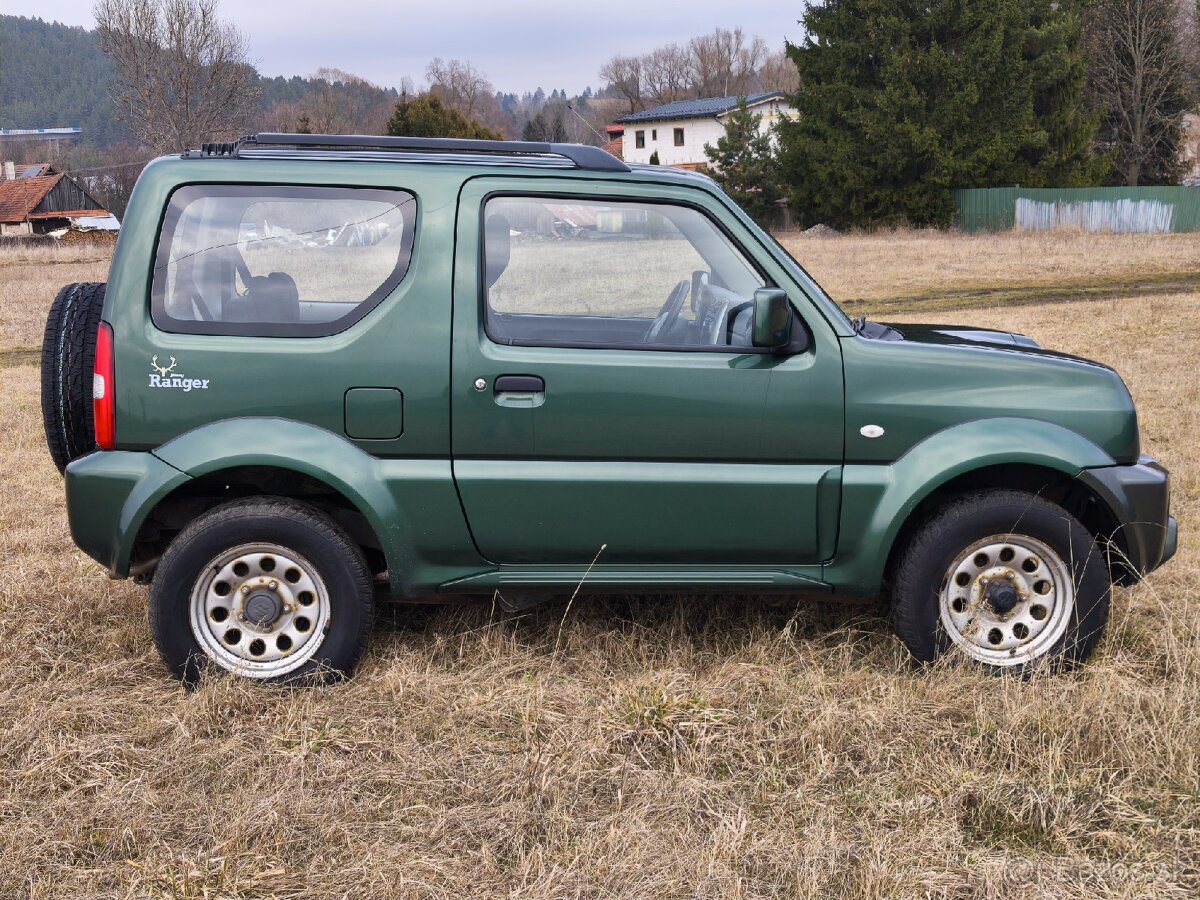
255 579
1046 599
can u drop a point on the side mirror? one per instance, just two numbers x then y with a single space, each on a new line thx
772 318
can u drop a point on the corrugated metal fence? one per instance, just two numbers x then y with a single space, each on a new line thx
1145 210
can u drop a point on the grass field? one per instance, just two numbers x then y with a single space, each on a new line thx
669 747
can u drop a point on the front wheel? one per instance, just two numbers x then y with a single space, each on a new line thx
1006 580
266 588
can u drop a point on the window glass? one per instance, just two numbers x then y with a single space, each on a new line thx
560 271
639 139
285 261
678 137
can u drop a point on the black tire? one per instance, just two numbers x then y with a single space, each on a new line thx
68 354
925 567
297 528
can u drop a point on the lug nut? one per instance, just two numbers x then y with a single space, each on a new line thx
273 585
241 617
287 609
245 590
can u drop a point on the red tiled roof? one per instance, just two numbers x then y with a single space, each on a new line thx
616 148
20 197
575 214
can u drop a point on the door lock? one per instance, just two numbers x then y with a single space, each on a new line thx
481 384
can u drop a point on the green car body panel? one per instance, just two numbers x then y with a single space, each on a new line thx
637 468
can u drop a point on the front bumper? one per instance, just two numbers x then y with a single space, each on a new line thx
109 495
1139 497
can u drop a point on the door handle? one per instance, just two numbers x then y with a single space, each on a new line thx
519 391
519 384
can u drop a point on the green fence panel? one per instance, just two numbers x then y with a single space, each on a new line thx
1144 210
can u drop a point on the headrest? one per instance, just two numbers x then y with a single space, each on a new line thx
496 247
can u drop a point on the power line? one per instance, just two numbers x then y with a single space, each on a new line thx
129 165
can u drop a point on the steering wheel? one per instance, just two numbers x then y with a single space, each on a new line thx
667 316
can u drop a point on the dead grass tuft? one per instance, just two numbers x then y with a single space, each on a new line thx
673 746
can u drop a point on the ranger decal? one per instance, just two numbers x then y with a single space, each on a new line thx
167 377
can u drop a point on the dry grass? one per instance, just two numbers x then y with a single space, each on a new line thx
676 747
935 265
26 275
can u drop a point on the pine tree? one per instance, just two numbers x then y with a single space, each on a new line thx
558 130
535 129
900 104
654 159
427 116
744 164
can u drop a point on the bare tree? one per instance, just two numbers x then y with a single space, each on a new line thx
778 73
721 64
458 83
1139 78
666 74
624 73
182 75
724 64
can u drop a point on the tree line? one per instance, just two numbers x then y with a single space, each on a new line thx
724 63
897 103
900 103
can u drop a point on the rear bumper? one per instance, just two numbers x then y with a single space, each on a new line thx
109 495
1139 497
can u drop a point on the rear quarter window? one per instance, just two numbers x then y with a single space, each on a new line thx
278 261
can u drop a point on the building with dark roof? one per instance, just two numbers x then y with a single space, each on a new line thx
678 131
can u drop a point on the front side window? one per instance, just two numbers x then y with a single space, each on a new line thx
678 137
601 273
639 139
278 260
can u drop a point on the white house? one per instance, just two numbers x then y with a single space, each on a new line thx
679 130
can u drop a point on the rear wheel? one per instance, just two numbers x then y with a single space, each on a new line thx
266 588
1003 579
68 354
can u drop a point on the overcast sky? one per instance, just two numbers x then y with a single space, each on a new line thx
519 44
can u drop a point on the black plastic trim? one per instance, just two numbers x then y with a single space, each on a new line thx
522 384
582 155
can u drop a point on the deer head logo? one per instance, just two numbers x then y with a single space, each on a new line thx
164 371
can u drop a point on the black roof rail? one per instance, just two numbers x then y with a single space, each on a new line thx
583 156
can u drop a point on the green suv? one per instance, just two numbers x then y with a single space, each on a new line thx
327 368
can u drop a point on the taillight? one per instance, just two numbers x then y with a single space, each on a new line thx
103 403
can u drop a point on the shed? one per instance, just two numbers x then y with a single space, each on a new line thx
44 203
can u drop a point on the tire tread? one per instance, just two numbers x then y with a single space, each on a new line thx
68 356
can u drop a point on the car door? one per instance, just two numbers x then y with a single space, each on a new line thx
606 400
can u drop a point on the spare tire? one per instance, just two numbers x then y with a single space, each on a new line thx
68 353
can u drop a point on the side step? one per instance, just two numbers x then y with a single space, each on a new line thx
711 579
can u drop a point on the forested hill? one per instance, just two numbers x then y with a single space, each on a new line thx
54 75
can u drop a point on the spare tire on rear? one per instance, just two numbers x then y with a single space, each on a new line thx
68 354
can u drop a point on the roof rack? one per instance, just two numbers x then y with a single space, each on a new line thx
581 155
